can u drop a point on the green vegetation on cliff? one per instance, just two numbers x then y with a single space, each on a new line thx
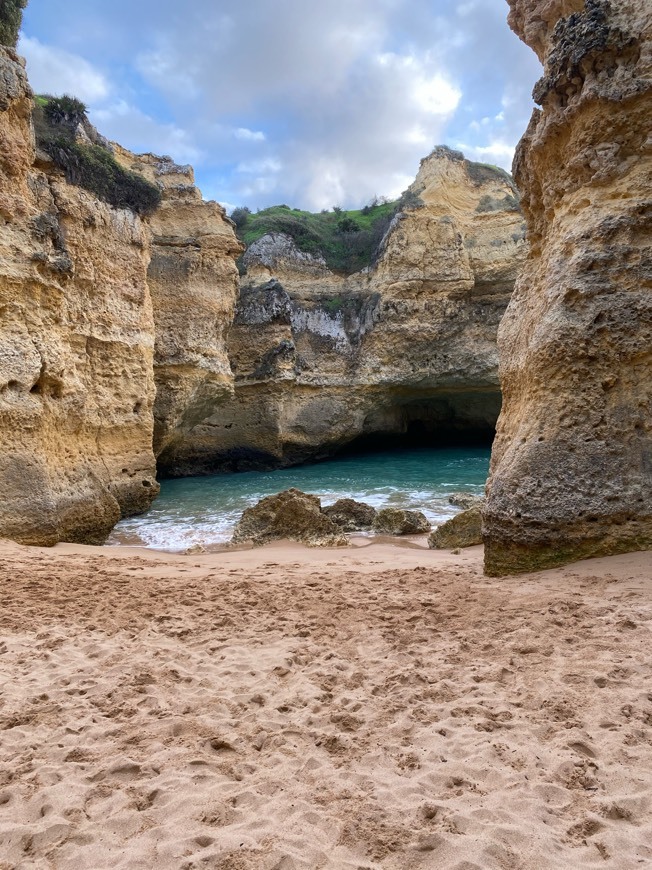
11 17
87 163
347 240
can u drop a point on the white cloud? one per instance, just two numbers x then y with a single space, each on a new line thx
269 164
497 152
139 132
249 135
312 104
55 71
435 95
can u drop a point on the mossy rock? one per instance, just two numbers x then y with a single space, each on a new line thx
463 530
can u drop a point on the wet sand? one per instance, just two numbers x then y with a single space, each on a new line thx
286 708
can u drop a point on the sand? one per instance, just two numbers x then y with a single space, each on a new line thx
286 708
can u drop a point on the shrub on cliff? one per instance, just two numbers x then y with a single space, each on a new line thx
96 170
347 240
11 17
348 225
239 215
91 166
63 110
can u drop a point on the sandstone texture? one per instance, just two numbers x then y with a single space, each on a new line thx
193 281
462 530
406 347
395 521
76 352
571 472
291 515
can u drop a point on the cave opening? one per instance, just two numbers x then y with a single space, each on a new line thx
441 421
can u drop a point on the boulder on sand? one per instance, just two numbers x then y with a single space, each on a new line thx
351 515
463 530
290 514
394 521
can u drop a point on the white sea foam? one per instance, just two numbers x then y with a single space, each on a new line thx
205 510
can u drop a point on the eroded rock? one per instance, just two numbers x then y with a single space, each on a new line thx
571 469
292 515
462 530
320 359
193 281
395 521
351 515
76 346
78 331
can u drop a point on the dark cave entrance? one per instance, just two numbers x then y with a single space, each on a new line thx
461 419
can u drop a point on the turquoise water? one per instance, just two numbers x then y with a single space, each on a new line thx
204 510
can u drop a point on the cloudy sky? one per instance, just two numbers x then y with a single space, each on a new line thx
312 103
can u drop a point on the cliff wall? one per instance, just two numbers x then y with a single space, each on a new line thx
76 375
571 472
193 281
321 359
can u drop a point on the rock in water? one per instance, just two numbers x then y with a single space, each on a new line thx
465 500
291 514
351 515
393 521
571 470
463 530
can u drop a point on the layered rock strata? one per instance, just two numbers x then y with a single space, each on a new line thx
571 472
321 359
76 373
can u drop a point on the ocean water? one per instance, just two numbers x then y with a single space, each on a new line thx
204 510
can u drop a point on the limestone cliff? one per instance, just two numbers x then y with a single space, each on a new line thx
193 281
571 472
321 359
76 376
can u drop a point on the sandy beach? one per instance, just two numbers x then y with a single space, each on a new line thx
287 708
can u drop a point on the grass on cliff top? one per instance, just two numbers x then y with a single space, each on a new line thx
88 165
348 240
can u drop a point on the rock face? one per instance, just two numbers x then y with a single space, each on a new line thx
407 346
291 514
76 375
571 472
77 351
193 281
